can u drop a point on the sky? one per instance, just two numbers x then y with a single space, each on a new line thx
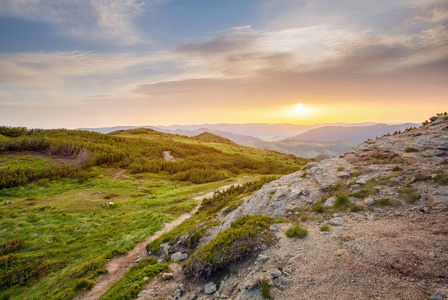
99 63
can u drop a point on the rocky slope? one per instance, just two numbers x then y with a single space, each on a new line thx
386 204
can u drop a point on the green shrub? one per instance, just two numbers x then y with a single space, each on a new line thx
324 227
11 246
409 194
441 178
194 239
396 168
410 149
341 202
84 283
361 193
296 231
317 207
245 236
383 202
265 290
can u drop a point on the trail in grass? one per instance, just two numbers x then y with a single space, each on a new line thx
117 266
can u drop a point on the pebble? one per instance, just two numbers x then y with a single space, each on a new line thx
337 221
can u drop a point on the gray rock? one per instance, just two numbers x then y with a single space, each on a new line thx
275 272
146 293
337 221
369 201
250 284
310 165
288 270
145 278
179 256
265 277
177 293
437 296
262 258
375 168
360 181
432 152
164 248
330 201
343 174
210 288
441 192
443 146
396 179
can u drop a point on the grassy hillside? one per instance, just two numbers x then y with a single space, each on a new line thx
306 149
76 199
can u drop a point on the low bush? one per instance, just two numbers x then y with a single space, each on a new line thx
409 194
245 236
383 202
324 227
317 207
265 290
410 149
11 246
296 231
84 283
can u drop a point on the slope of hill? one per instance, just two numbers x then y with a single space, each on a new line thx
371 224
72 200
353 134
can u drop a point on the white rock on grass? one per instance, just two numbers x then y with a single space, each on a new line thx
369 201
179 256
210 288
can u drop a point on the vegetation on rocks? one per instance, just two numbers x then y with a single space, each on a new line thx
245 236
296 231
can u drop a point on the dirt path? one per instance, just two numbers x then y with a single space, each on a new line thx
117 266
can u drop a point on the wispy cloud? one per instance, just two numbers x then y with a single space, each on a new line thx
111 20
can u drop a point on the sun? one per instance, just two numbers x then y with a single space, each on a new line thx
299 109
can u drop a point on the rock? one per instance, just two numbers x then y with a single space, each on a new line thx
210 288
146 293
177 293
369 201
337 221
343 174
262 258
432 152
182 288
288 270
360 181
167 156
443 146
265 277
441 192
330 201
305 192
137 260
275 272
164 248
375 168
396 179
110 203
310 165
179 256
167 276
437 296
145 278
250 284
274 228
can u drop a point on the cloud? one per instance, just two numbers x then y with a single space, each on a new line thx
111 20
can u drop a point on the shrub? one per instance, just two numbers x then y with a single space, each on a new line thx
296 231
11 246
409 194
383 202
396 168
84 283
265 290
341 202
324 227
245 236
441 178
317 207
410 149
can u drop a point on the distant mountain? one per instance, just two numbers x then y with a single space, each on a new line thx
354 134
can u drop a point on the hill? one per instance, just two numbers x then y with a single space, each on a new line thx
370 224
353 134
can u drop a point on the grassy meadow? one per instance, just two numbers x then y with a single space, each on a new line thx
81 198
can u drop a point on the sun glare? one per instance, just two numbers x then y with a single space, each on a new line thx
299 109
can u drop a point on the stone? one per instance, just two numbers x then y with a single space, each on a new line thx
164 248
262 258
146 293
275 272
310 165
167 276
179 256
250 284
437 296
265 277
396 179
330 201
182 288
443 146
432 152
210 288
441 192
177 293
360 181
337 221
145 278
343 174
288 270
110 203
375 168
167 156
369 201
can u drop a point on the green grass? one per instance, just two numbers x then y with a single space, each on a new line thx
317 207
265 290
409 194
324 227
296 231
383 202
68 234
410 149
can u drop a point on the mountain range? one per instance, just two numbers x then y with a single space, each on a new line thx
307 141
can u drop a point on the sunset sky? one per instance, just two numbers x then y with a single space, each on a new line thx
96 63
